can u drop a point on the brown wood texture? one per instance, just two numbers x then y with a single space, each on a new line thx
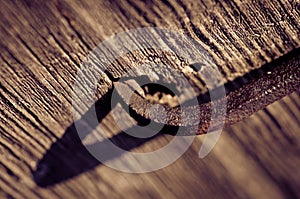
42 46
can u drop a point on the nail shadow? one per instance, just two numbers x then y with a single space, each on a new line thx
68 157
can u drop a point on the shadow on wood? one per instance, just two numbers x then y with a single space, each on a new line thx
68 157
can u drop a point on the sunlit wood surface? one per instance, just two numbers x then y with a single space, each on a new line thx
42 46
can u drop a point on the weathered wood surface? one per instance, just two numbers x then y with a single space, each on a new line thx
42 46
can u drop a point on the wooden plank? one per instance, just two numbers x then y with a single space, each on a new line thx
42 46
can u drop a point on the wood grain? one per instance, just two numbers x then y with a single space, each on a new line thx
42 46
